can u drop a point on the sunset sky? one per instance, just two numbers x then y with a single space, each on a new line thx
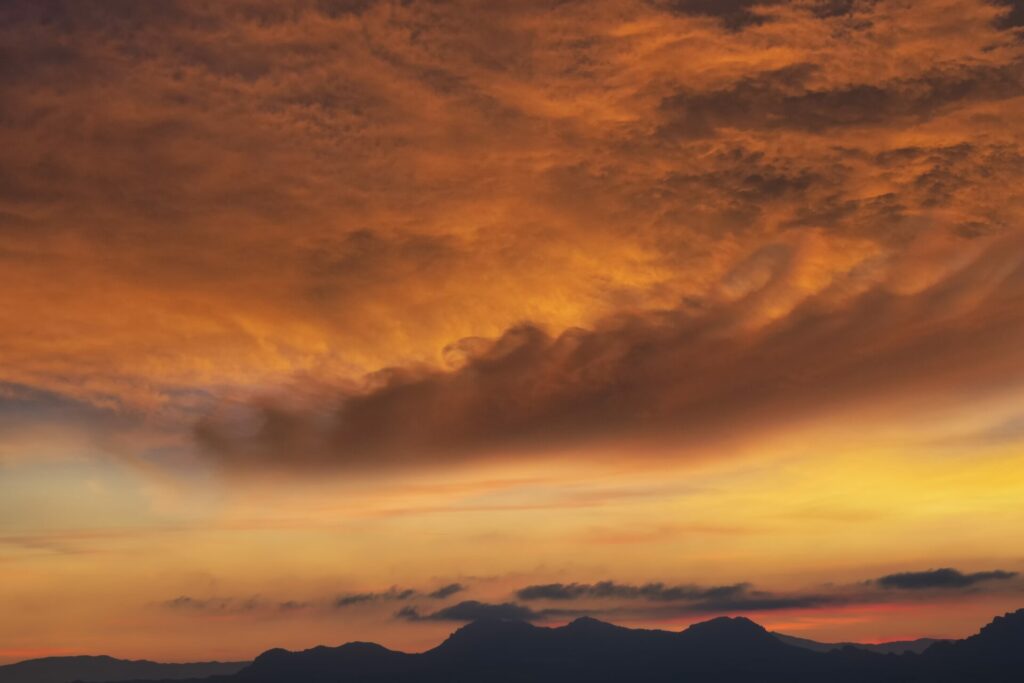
331 320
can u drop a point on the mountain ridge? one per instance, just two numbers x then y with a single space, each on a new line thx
107 669
723 650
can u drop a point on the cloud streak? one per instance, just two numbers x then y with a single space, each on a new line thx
395 594
658 592
944 579
653 600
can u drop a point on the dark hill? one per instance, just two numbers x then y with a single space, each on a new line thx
724 650
103 668
895 647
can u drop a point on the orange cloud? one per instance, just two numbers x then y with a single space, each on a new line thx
691 374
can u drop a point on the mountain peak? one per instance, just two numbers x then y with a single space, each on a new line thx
487 630
1005 630
590 624
727 627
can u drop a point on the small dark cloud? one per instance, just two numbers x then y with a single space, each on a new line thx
446 591
392 594
471 610
735 15
218 604
1012 15
788 98
945 578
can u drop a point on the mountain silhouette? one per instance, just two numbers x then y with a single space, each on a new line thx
722 650
895 647
104 668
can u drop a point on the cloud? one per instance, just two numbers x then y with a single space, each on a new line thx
688 375
392 594
561 163
471 610
1012 15
257 603
395 594
683 599
446 591
610 599
610 589
229 605
734 14
945 578
785 98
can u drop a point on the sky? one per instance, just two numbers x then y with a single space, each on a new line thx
331 320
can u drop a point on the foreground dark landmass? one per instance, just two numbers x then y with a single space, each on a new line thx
896 647
723 650
103 668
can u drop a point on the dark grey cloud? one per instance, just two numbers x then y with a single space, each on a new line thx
610 589
392 594
471 610
396 594
1013 14
752 601
734 14
944 578
737 15
788 98
612 599
684 599
228 605
257 603
446 591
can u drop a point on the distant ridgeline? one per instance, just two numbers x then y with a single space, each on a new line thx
724 650
103 668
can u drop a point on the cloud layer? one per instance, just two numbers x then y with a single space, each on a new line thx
470 222
552 602
691 374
